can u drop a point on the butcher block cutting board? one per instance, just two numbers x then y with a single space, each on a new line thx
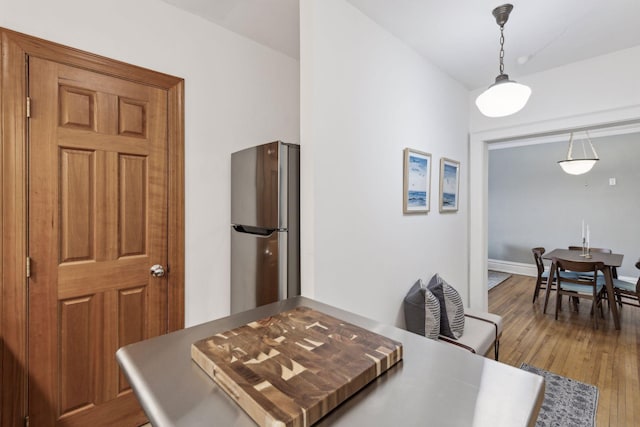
293 368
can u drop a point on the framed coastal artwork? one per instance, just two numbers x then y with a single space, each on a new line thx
449 185
417 181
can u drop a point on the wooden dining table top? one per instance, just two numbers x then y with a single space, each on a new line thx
611 260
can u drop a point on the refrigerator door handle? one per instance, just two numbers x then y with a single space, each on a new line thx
265 232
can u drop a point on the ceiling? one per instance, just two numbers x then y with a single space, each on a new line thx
461 37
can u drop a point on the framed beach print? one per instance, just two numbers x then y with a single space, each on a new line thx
449 185
417 181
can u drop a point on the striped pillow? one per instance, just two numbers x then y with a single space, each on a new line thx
422 311
451 307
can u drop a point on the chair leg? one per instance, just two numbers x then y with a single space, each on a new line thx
602 296
619 298
593 307
558 300
560 303
546 298
536 289
601 311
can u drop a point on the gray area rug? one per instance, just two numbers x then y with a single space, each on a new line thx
567 402
496 277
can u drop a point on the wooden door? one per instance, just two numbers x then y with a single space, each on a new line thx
97 223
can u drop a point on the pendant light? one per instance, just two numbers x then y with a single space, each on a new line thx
504 97
579 166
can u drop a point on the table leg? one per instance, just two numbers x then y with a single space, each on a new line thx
608 276
552 273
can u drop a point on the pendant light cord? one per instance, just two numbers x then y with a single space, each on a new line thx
570 147
595 155
584 150
501 49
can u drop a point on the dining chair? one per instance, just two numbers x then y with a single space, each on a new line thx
543 275
626 292
579 286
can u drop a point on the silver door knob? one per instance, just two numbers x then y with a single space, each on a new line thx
157 270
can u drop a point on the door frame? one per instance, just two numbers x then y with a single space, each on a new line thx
14 49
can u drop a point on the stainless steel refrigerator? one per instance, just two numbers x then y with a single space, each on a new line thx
265 225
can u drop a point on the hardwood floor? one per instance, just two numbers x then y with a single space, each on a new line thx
571 347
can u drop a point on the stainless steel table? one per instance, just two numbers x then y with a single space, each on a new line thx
435 384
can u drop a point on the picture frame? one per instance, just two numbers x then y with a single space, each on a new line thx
417 182
449 185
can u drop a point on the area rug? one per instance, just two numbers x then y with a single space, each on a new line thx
567 402
496 277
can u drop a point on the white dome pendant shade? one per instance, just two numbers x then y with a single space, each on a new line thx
579 166
504 97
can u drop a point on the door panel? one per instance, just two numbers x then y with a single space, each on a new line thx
97 222
131 322
77 214
76 342
132 171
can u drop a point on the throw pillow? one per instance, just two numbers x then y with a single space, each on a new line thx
422 311
451 307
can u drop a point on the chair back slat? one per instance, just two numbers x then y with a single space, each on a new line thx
537 256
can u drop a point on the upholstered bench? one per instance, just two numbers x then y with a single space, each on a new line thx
482 331
436 311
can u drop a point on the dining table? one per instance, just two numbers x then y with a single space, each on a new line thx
609 260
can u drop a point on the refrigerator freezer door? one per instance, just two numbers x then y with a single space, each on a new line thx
259 186
258 268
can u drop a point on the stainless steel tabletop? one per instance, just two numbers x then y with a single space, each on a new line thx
435 383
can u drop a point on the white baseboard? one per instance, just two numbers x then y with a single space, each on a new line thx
530 269
513 267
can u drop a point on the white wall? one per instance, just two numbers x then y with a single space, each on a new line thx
590 93
365 96
237 93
